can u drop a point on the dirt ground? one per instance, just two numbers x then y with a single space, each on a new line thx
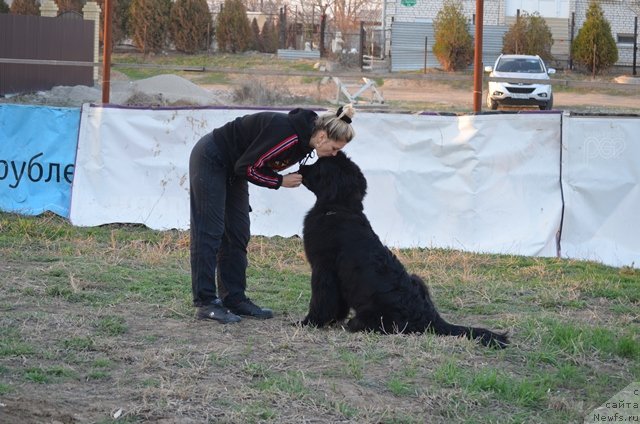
443 94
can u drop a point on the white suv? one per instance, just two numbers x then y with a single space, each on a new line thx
519 93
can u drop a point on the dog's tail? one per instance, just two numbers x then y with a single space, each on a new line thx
484 336
440 326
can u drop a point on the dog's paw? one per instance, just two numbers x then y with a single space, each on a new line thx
354 325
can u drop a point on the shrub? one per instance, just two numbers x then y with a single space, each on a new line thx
4 7
25 7
149 23
453 45
530 34
232 27
259 92
515 39
191 25
594 47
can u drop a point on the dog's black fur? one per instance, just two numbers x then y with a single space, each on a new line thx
352 269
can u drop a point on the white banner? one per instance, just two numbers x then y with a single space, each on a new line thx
601 186
486 183
132 164
477 183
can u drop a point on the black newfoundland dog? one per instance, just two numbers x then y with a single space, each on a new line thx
352 269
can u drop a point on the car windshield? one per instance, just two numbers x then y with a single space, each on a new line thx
532 66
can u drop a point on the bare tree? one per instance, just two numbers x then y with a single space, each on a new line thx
346 14
269 7
310 11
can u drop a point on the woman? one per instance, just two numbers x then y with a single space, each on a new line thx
250 148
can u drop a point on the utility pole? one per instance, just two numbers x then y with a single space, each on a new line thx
477 59
106 52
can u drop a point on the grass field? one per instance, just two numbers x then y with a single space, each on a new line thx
97 323
227 61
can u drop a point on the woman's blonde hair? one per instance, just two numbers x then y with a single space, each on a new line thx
337 124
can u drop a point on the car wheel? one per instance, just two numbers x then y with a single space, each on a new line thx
548 105
493 105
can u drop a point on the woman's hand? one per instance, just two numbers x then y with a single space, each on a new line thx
292 180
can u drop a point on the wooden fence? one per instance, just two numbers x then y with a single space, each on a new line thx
38 38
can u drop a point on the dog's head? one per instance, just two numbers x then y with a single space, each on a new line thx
335 179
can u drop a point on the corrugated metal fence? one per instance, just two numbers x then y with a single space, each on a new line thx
408 40
44 38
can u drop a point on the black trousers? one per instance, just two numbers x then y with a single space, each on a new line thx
220 228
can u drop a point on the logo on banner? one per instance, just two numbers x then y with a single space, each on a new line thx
602 145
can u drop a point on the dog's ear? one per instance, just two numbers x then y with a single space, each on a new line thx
329 180
357 181
351 183
361 184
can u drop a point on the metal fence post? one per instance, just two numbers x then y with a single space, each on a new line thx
426 42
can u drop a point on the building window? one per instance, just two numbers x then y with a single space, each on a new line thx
625 38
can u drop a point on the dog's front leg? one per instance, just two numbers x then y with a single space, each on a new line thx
327 304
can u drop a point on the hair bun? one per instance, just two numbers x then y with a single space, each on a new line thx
346 112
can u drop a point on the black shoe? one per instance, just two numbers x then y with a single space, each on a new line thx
249 309
217 312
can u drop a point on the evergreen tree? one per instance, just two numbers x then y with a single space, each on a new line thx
233 31
540 38
530 34
4 7
594 47
256 41
453 45
269 36
120 20
25 7
149 23
191 25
